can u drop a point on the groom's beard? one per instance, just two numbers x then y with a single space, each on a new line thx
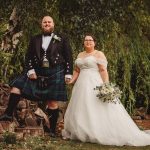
44 31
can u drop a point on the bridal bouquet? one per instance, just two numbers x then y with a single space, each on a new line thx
108 92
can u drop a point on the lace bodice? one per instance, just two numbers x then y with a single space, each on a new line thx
90 62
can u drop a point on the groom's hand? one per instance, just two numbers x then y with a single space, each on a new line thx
33 76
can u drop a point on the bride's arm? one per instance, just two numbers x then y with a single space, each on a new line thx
75 75
103 73
102 65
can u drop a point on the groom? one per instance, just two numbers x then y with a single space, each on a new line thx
48 68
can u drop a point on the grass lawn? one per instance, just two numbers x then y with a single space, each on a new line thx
47 143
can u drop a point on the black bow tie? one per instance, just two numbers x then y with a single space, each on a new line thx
47 34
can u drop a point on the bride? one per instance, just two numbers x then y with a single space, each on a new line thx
87 118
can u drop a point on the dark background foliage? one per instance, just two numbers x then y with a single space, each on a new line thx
120 26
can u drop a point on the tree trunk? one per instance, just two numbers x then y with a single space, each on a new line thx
13 33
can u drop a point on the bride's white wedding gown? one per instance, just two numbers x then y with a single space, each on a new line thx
90 120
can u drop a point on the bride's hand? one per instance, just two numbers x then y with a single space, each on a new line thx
70 81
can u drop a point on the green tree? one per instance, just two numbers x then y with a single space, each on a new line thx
121 28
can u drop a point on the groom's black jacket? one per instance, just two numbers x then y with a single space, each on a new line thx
58 52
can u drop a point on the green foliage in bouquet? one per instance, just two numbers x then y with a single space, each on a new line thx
108 92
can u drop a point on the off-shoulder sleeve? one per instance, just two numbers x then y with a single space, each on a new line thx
75 62
102 62
78 57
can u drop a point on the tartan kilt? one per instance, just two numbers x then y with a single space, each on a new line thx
55 89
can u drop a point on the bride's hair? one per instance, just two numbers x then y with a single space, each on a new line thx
90 34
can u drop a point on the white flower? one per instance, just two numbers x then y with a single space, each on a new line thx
108 92
55 37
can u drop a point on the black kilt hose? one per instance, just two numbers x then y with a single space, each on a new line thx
53 88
